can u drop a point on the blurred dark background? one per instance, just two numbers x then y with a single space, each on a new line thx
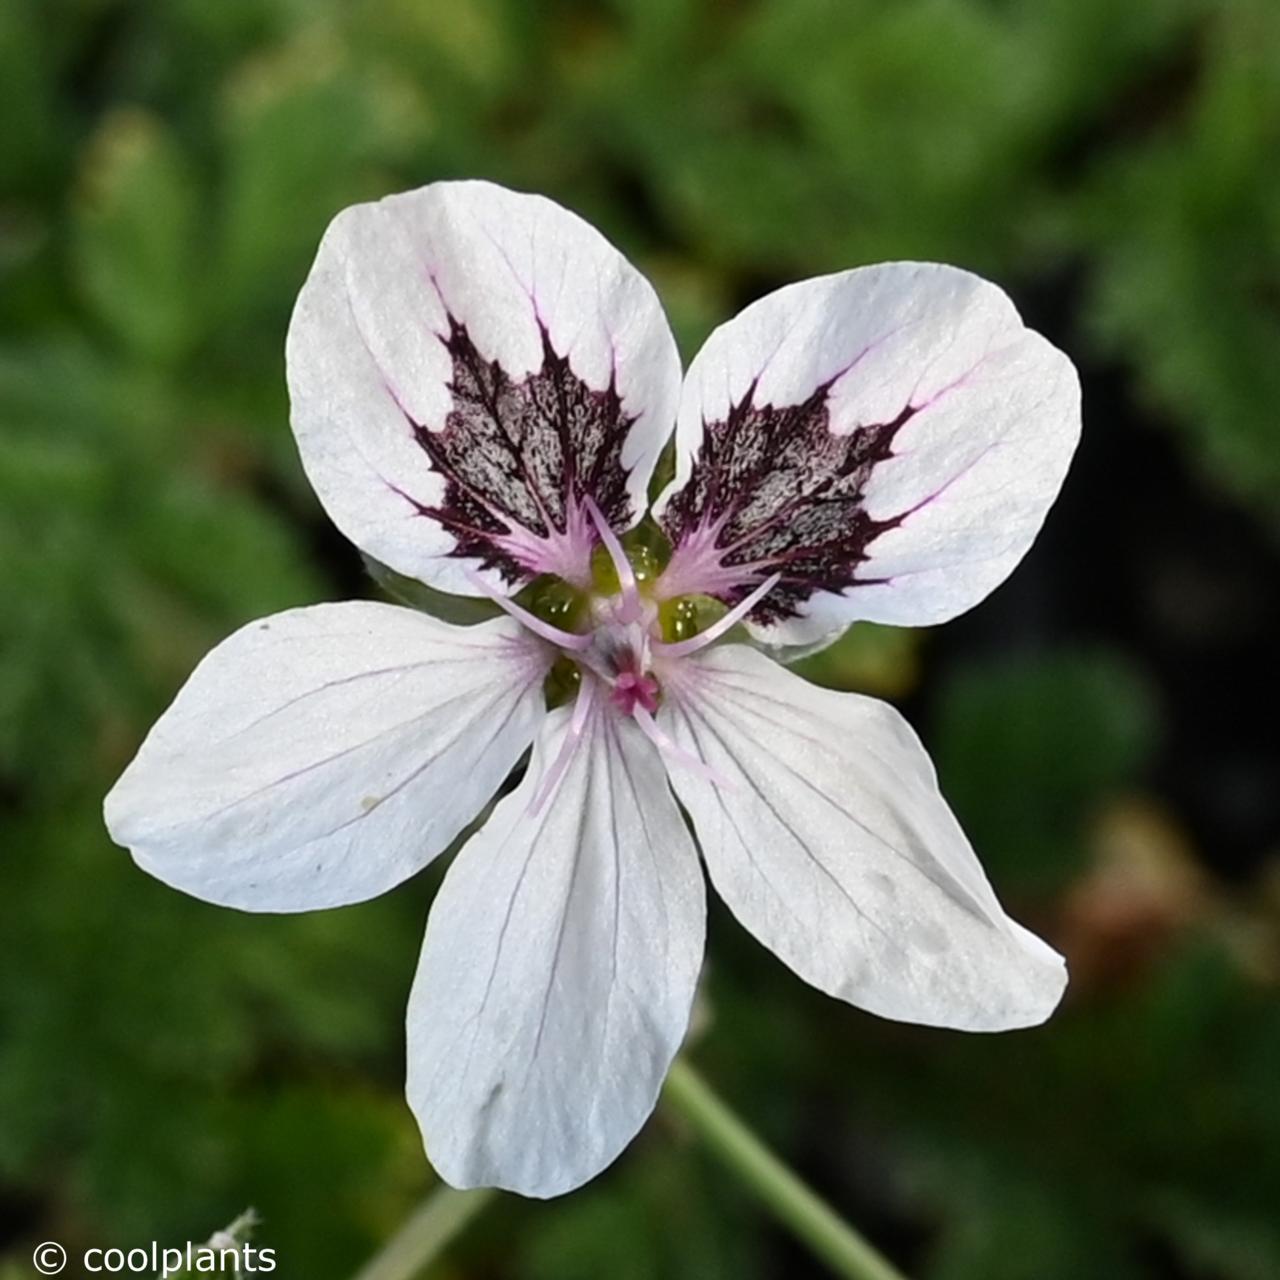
1104 724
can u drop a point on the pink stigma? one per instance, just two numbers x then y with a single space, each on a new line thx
632 689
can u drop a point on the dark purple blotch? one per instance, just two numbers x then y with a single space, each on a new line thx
786 496
521 454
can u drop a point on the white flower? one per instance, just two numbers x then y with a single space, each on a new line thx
481 388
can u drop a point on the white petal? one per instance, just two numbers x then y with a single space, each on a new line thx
833 846
558 971
323 755
434 452
890 439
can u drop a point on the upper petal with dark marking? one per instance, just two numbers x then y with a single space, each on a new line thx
888 440
467 365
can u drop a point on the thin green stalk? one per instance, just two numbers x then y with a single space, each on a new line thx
783 1194
442 1216
446 1212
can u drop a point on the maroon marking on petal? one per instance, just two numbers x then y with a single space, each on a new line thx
775 491
520 457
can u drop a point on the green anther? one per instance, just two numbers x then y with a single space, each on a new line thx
561 684
556 602
678 619
604 577
644 561
684 616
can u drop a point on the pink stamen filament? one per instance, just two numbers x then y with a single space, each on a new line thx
649 727
682 648
631 605
643 716
574 641
572 741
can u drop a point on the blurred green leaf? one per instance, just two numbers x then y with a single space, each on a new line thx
238 1037
28 98
1185 226
136 237
305 131
663 1213
867 658
1007 1229
1026 749
119 565
1218 1241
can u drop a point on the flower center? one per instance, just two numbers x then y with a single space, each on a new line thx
621 651
625 628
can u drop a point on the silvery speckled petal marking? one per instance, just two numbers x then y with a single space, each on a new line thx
776 490
887 439
520 458
466 364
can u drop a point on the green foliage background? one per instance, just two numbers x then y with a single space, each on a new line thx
166 170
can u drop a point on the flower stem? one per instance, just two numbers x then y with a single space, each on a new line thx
793 1203
443 1215
446 1213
